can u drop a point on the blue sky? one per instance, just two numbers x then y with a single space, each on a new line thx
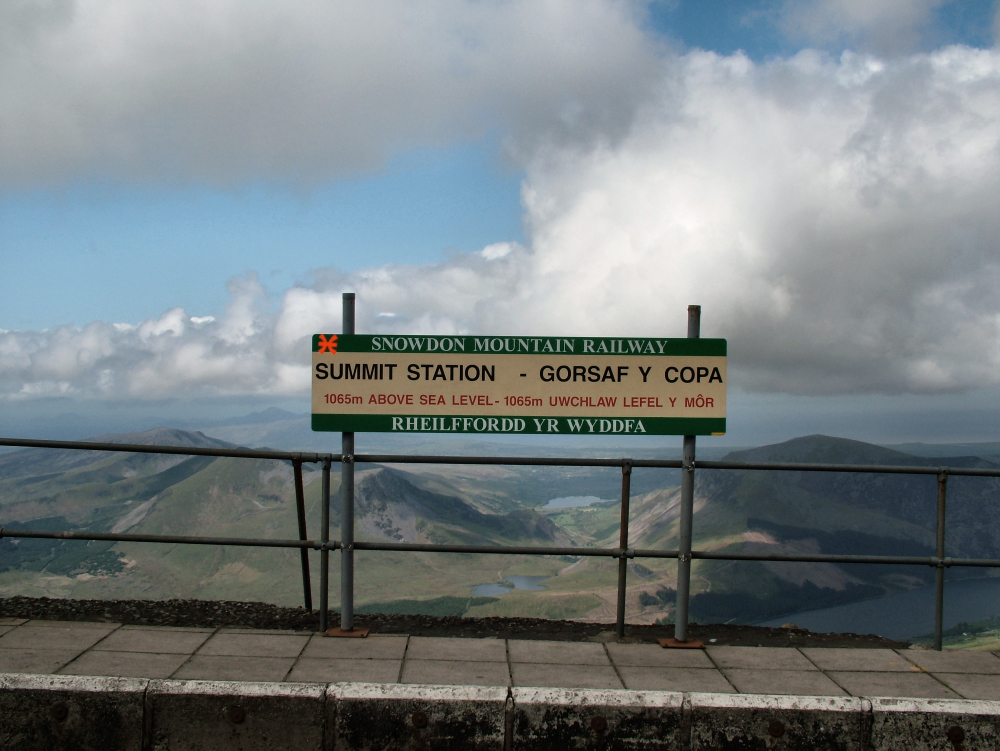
501 167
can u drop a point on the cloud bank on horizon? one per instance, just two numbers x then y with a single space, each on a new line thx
834 214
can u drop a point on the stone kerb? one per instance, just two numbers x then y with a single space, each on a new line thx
932 724
69 712
547 718
795 723
210 715
414 716
122 714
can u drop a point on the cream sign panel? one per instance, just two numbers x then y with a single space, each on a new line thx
497 384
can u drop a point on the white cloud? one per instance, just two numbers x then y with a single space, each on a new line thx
836 218
885 26
226 91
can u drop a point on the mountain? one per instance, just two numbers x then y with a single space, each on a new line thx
155 494
838 513
486 505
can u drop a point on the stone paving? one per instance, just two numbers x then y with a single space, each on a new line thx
108 649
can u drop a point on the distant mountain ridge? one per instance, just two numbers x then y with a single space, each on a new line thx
741 510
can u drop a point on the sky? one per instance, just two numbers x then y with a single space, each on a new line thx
187 188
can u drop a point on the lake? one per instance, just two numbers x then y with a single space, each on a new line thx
903 615
495 589
573 501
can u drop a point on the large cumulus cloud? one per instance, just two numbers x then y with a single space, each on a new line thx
836 217
228 91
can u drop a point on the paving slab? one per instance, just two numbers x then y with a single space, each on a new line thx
913 685
335 670
229 668
370 648
153 640
32 635
456 672
653 655
38 661
966 661
257 645
72 624
675 679
760 658
880 660
199 629
557 653
972 685
8 621
443 648
264 631
564 676
125 664
783 682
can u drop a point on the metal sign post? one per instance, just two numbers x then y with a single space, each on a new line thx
687 512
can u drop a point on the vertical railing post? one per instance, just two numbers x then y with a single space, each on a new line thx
942 479
347 503
324 554
623 543
300 507
687 510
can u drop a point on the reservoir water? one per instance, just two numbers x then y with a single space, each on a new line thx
903 615
496 589
573 501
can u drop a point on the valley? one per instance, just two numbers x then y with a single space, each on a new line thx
484 505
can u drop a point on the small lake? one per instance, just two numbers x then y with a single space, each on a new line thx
573 501
903 615
496 589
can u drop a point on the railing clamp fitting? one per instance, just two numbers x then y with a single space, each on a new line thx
689 466
347 459
626 466
943 474
684 557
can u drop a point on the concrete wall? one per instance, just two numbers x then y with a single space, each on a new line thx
48 713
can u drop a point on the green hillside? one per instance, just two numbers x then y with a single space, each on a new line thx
734 511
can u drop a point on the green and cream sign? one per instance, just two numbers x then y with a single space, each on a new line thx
518 384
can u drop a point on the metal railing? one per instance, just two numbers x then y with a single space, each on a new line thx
939 561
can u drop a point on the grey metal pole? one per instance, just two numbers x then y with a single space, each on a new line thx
623 543
939 571
324 554
300 508
347 503
687 510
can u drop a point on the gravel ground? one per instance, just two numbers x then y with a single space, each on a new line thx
208 613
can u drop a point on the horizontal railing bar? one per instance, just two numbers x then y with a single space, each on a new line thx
241 453
490 549
881 469
181 539
525 461
505 549
139 448
671 464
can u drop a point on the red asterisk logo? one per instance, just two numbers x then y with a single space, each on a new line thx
328 344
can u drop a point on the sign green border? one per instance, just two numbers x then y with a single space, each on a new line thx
536 345
651 425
